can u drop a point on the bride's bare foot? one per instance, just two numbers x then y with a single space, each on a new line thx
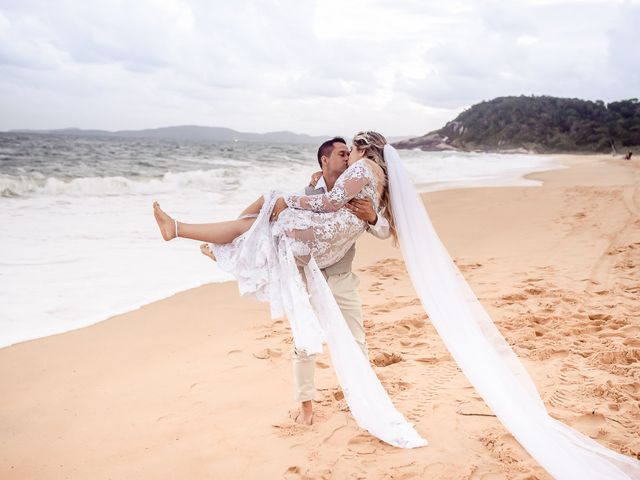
165 222
204 248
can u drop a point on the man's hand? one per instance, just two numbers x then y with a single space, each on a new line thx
314 179
279 206
363 209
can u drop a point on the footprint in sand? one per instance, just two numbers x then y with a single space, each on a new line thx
534 291
397 388
363 444
632 289
294 472
394 306
619 356
428 360
513 298
562 398
267 353
411 327
413 323
465 267
474 408
384 359
333 398
439 376
411 344
631 342
506 448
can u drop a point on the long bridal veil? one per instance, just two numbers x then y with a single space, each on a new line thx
482 353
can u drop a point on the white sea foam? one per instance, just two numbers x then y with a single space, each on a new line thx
77 250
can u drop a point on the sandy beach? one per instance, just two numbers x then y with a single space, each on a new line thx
199 385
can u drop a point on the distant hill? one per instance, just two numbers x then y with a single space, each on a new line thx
538 124
197 134
188 132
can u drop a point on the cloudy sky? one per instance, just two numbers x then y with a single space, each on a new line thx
317 67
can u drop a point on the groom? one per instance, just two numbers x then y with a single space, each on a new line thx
332 158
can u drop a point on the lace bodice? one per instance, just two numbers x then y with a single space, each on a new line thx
319 225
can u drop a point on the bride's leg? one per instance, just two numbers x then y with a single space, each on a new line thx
218 232
254 208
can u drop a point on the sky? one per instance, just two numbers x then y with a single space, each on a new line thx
315 67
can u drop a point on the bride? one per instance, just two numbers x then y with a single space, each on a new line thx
317 224
308 232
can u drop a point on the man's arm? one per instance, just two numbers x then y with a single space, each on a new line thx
377 224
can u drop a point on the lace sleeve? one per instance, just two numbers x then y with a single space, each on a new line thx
352 180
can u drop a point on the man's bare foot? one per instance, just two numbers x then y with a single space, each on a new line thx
305 417
204 248
165 222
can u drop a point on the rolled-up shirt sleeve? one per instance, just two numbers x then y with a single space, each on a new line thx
381 228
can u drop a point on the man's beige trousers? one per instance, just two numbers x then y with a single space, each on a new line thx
344 286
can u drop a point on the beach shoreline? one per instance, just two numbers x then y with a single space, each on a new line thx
198 384
517 177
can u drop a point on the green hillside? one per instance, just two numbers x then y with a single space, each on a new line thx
540 124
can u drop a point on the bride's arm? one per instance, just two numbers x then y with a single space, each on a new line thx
346 187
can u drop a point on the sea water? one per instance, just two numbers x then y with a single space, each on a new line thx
78 240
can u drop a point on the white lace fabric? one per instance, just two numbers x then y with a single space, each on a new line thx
319 226
265 262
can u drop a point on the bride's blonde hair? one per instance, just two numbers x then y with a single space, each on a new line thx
372 143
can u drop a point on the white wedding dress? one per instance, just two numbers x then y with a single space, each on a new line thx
314 233
265 261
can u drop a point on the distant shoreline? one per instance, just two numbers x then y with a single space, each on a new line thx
268 138
193 133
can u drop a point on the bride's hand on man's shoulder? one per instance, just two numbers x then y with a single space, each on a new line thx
314 178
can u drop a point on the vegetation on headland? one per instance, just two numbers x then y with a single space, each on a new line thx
541 124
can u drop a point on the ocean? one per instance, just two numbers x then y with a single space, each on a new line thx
78 239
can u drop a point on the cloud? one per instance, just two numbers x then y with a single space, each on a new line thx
511 49
316 67
623 56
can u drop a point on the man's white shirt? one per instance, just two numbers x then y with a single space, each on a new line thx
381 227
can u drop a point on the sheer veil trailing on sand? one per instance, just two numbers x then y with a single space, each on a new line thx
265 266
482 353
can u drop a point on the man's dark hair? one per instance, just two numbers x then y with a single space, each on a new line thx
326 149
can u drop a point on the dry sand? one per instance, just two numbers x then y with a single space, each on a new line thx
199 385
